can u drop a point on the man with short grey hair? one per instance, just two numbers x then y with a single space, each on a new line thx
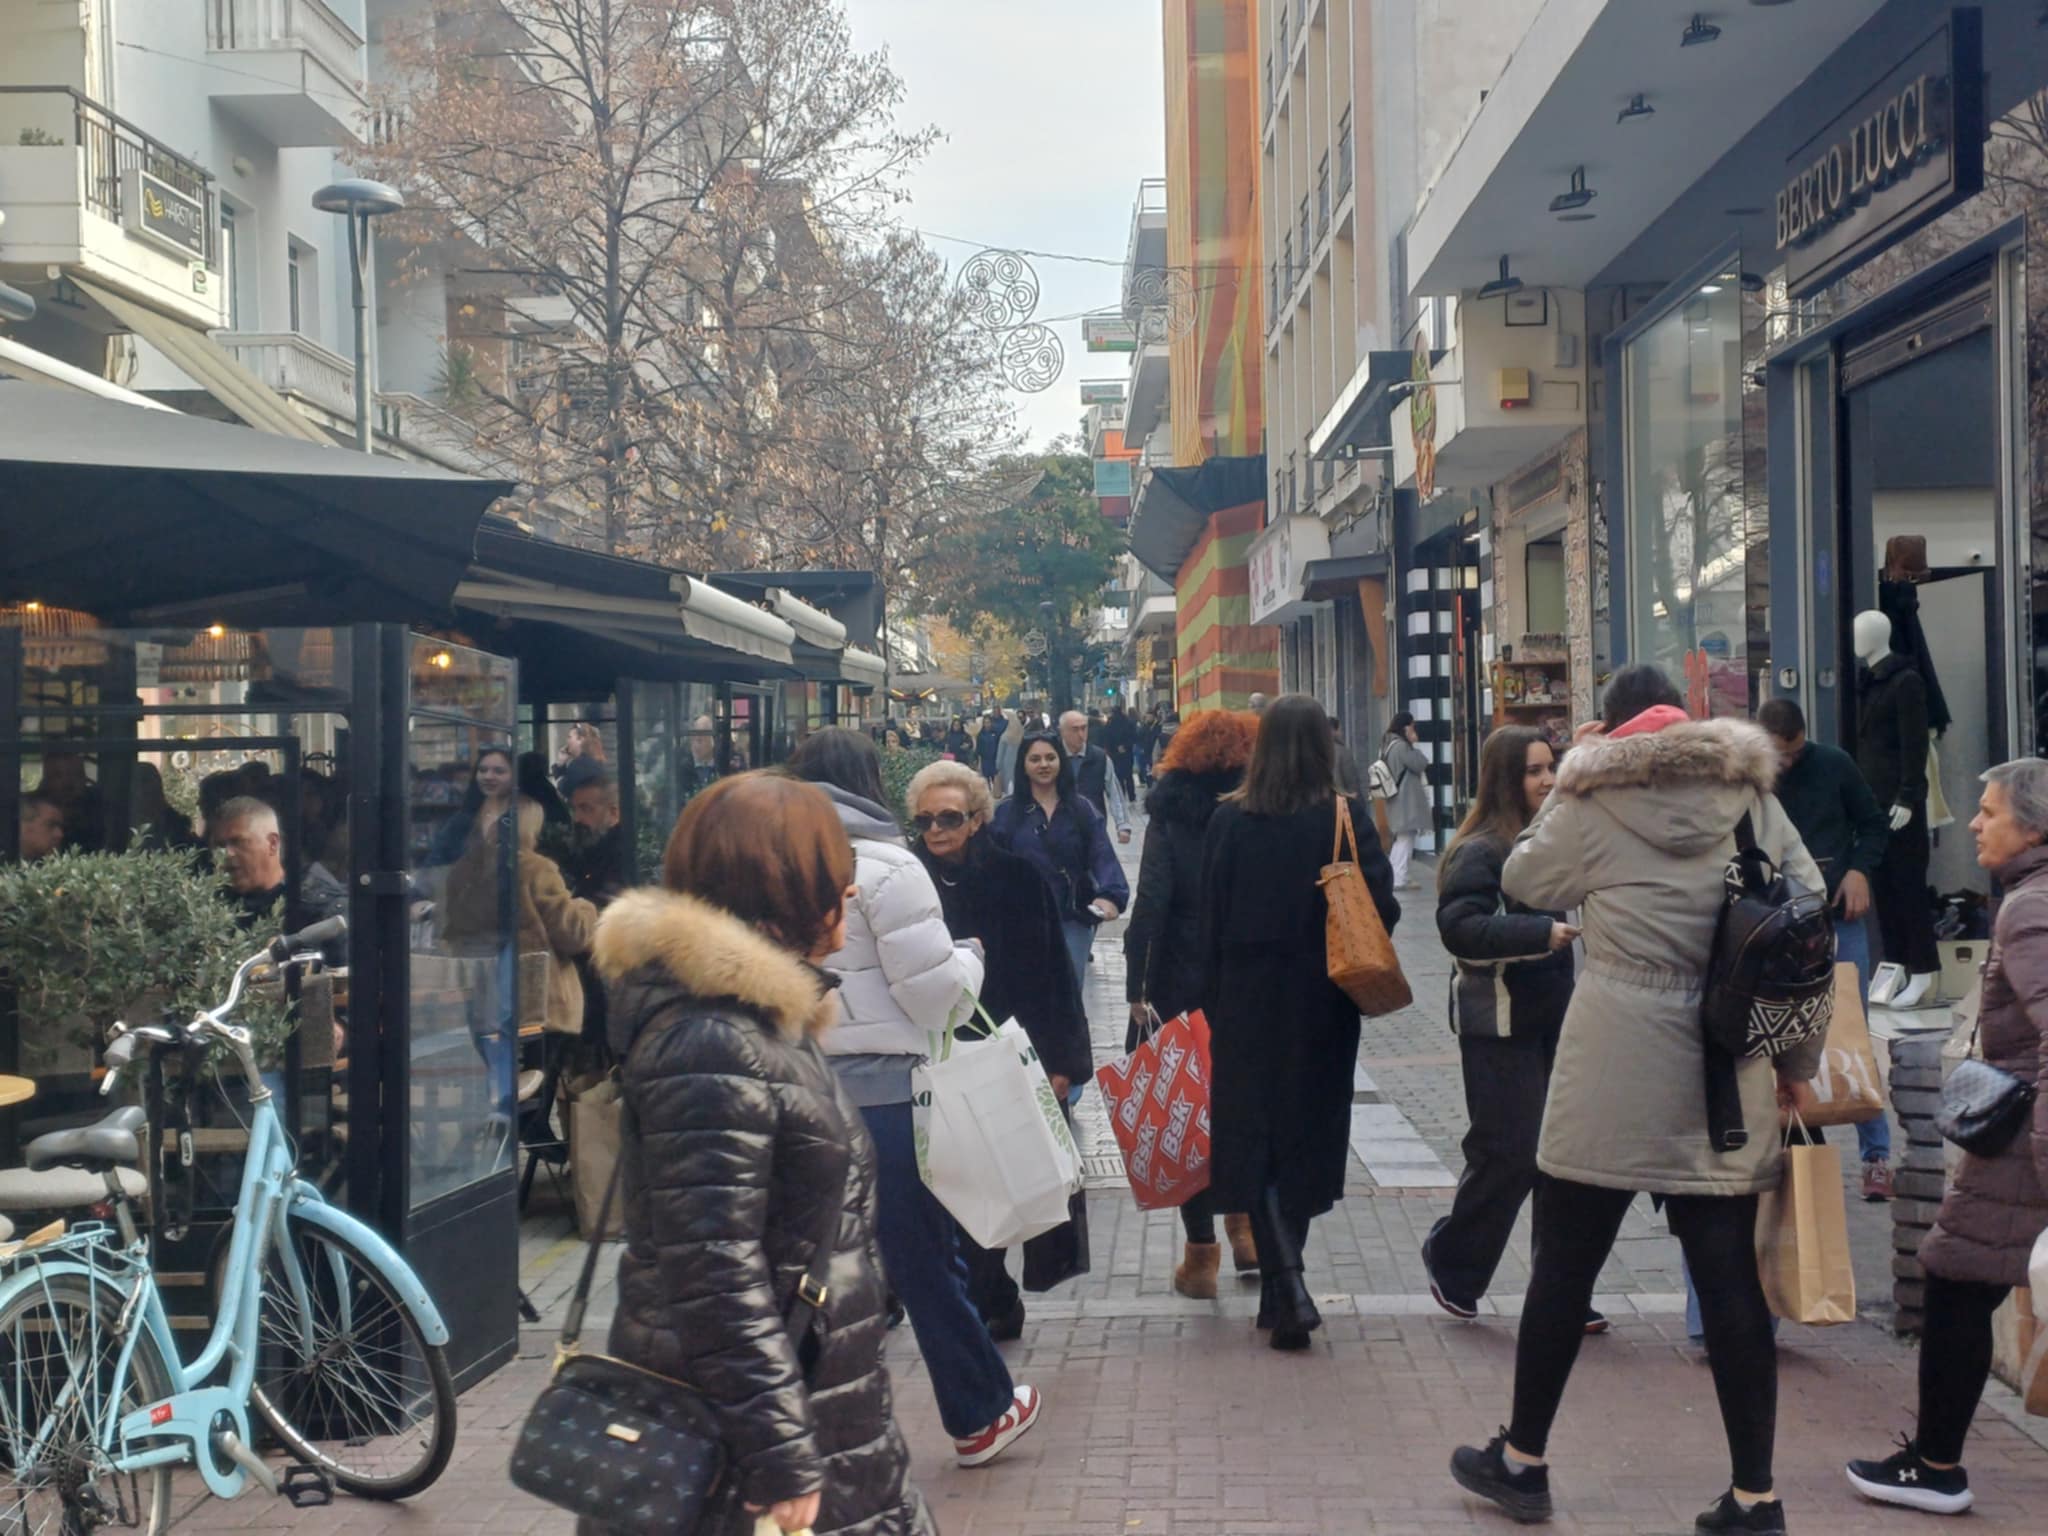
1257 702
1093 775
245 832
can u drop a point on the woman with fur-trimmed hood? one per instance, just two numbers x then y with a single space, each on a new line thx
738 1146
1637 836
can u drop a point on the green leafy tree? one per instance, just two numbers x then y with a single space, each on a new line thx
1037 562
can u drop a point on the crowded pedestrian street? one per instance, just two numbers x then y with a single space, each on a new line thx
1166 1417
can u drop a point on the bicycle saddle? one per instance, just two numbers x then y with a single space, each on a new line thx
105 1144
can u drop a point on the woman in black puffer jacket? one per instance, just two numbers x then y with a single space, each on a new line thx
735 1129
1511 980
1204 761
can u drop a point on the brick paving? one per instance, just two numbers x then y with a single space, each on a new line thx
1167 1417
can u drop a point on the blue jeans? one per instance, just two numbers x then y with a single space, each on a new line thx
1080 939
922 1260
1852 947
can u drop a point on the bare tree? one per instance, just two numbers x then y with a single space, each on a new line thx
663 212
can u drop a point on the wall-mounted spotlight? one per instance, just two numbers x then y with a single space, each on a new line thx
1701 31
1636 110
1568 204
1503 285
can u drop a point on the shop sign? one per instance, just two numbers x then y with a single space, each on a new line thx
1102 391
1422 419
1279 560
158 212
1900 156
1113 477
1108 333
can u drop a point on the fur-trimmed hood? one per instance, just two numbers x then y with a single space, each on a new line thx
712 955
1679 789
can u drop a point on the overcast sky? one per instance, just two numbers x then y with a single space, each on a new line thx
1053 110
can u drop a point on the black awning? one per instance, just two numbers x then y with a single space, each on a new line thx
136 515
1366 419
1175 505
1322 580
851 597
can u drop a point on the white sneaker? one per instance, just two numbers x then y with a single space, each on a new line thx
979 1450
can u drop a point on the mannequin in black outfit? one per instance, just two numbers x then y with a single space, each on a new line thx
1891 750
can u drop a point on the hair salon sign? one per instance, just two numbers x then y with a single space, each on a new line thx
1900 156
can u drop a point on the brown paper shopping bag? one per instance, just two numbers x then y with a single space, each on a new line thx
596 1123
1802 1241
1846 1090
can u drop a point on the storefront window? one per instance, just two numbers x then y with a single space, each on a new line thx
674 757
471 1002
1687 553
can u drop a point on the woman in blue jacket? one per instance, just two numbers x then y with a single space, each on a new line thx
1046 821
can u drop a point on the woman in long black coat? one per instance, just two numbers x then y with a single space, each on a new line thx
1162 955
1283 1036
999 900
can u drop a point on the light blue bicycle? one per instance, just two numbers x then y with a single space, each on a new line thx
320 1327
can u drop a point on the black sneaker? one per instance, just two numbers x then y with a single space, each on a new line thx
1903 1478
1766 1515
1459 1307
1596 1322
1008 1328
1523 1494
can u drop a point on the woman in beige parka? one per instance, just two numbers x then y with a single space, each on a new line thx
1638 835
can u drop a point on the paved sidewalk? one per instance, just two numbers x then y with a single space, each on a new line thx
1167 1417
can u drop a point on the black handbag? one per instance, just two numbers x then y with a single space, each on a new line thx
631 1449
1983 1107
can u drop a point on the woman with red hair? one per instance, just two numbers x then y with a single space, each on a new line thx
1204 760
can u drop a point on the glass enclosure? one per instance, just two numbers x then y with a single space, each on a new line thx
1687 549
467 1017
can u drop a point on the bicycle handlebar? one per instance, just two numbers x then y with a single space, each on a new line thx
287 949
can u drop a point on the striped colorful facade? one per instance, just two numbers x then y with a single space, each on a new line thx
1223 657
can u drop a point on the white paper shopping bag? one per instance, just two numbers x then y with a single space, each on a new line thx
991 1141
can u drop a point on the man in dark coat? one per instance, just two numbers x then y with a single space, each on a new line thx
1093 774
1845 830
991 742
1120 740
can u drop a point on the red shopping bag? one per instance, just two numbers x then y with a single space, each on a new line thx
1158 1102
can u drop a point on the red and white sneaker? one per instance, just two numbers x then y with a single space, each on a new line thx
979 1450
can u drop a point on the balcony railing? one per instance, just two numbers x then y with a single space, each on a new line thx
1280 50
57 114
1323 199
1308 242
1287 265
1267 99
293 364
1343 154
265 25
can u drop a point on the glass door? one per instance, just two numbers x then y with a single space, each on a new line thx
468 1012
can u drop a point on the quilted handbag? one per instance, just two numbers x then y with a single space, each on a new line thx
630 1449
1983 1107
1361 955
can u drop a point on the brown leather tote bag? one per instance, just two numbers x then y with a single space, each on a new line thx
1361 955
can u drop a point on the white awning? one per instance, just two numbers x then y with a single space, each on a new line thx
208 364
719 618
41 368
813 626
862 668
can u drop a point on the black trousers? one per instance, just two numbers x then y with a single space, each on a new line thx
1955 1362
1899 888
1505 1082
1575 1230
990 1285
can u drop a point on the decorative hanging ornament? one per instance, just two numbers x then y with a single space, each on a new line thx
1032 359
1000 288
1165 300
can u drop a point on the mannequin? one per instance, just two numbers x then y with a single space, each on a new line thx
1891 750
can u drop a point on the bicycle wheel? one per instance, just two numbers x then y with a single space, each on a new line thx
347 1380
58 1352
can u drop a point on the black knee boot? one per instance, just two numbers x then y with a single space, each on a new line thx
1286 1305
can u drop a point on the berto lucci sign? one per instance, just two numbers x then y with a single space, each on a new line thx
1903 154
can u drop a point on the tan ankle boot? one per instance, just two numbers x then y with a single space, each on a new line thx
1244 1253
1196 1277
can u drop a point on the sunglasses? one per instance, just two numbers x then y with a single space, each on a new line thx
945 821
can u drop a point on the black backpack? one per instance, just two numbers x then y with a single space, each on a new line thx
1771 978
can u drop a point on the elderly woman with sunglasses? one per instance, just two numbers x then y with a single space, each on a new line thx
1000 899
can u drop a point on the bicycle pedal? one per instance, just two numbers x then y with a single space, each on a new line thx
306 1487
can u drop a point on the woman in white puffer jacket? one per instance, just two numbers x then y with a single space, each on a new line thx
902 981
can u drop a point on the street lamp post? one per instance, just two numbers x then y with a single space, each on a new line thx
360 201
